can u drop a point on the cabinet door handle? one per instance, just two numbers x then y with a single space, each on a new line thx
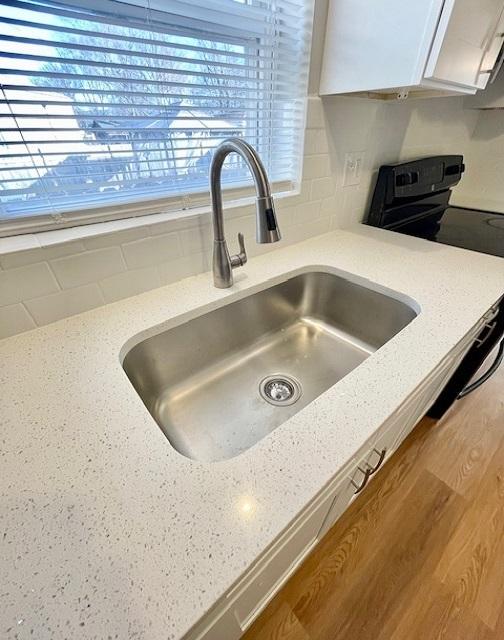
498 65
494 33
367 473
481 380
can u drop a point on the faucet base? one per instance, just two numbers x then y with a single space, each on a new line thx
222 269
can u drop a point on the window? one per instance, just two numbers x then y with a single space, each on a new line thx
106 103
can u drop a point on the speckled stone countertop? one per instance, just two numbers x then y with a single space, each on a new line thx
105 530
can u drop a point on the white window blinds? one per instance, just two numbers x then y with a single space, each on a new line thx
105 102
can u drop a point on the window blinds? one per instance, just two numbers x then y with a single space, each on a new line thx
105 102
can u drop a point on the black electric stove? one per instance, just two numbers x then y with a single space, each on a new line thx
467 228
413 198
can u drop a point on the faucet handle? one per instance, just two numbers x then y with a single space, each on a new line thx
243 252
241 258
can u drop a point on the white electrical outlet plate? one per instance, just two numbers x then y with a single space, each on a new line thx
353 168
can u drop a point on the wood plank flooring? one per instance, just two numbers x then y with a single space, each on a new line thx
420 554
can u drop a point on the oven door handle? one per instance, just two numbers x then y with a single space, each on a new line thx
477 383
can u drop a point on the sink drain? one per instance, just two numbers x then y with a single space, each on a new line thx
280 389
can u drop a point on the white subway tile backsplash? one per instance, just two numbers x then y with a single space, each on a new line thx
19 259
300 232
238 212
91 266
256 249
285 217
184 267
60 236
316 167
26 282
14 319
24 242
148 252
311 141
115 239
322 188
66 303
319 226
314 113
245 225
331 206
356 198
335 222
305 213
298 198
129 283
189 221
315 142
322 141
196 240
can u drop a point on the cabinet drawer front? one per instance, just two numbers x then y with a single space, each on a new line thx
246 600
258 590
219 625
343 496
397 428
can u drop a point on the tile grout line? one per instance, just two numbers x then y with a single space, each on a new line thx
30 316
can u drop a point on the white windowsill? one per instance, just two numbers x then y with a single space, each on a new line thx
44 239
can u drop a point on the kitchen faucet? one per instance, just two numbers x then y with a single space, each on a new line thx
266 224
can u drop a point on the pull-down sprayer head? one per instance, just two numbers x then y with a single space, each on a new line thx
266 222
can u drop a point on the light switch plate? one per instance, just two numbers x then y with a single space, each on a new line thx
353 168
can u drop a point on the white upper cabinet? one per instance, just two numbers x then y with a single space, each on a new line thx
398 46
467 43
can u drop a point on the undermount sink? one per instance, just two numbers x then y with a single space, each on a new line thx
221 382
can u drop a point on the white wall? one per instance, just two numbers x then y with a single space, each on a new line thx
43 285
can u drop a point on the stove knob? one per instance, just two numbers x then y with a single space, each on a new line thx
404 180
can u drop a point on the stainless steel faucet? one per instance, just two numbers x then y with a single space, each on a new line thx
266 223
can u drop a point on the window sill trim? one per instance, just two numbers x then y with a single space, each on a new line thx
27 241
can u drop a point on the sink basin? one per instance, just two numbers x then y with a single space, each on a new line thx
219 383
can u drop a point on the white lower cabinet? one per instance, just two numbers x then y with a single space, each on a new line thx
232 616
219 624
375 455
234 613
256 590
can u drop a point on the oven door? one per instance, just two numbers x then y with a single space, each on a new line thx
461 383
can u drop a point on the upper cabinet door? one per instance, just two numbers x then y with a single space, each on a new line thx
467 42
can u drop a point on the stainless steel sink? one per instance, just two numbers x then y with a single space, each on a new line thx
222 381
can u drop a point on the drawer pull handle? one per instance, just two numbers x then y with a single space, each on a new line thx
367 473
381 455
360 487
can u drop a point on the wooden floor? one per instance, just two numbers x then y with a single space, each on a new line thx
420 554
